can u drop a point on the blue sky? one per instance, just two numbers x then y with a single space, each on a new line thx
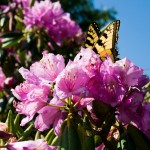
134 33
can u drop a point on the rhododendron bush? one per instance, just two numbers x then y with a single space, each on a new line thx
53 100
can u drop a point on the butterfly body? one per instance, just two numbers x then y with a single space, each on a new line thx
103 41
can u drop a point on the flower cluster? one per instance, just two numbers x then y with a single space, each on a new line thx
29 145
49 85
48 15
2 78
34 93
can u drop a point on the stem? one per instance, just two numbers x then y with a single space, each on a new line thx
3 146
89 117
53 105
77 102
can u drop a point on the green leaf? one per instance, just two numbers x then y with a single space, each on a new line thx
101 110
140 140
50 136
11 34
37 135
86 139
88 135
17 127
26 133
10 122
4 2
8 42
2 143
70 139
2 104
98 140
22 56
55 141
32 2
125 142
90 144
10 38
3 20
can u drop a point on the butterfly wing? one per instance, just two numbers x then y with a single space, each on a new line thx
103 42
92 36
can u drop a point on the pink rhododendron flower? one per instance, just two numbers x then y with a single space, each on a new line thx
2 78
105 87
30 145
24 3
124 70
101 147
131 104
3 126
71 81
113 80
48 15
45 71
144 124
88 60
29 76
48 68
49 115
58 124
128 73
46 117
4 131
34 92
32 99
30 92
143 80
49 85
82 102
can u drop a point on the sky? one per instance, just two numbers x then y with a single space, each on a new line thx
134 32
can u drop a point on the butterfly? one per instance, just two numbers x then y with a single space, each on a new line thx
103 41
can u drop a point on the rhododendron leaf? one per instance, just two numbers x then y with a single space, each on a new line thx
32 3
86 138
11 35
90 144
97 140
88 135
63 141
4 2
50 136
110 120
10 122
37 135
80 131
86 124
2 103
17 127
8 42
3 20
10 39
141 142
22 56
26 133
101 111
126 143
70 139
7 39
55 141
